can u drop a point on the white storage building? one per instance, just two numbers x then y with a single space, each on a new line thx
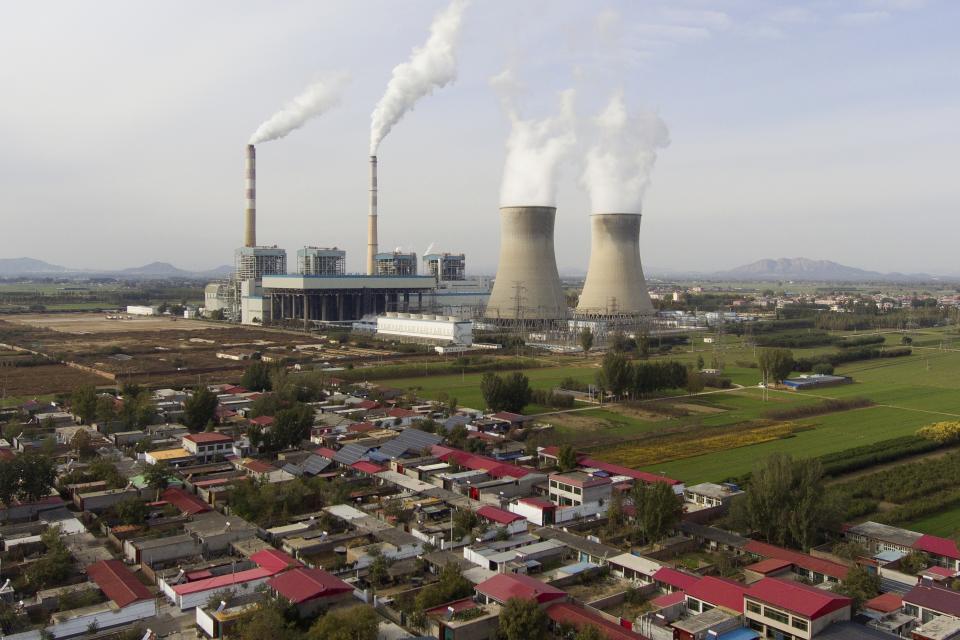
425 328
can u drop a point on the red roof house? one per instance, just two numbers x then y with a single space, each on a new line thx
504 586
718 592
809 602
118 583
675 580
499 516
798 559
302 585
884 603
578 617
937 546
275 560
187 503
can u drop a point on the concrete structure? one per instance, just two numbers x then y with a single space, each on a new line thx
425 328
253 263
207 446
395 263
615 283
321 261
340 298
250 184
372 218
445 267
527 287
141 310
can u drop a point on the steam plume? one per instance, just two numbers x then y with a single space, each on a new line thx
619 164
535 150
316 99
430 66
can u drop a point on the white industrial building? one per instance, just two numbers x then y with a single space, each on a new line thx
425 328
142 310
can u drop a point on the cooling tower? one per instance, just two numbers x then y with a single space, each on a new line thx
615 283
372 219
527 285
250 217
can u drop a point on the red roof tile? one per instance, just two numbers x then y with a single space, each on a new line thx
326 452
504 586
719 592
674 578
259 466
809 602
770 565
937 546
263 421
578 617
827 568
669 599
219 582
275 560
300 585
364 466
118 583
540 503
187 503
936 598
498 515
619 470
884 603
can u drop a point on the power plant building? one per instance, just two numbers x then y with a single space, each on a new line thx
445 267
426 328
320 261
395 264
615 286
527 287
309 298
252 263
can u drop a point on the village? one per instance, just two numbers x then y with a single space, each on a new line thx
358 504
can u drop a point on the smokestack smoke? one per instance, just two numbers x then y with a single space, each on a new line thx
430 66
372 244
250 218
536 148
619 165
315 100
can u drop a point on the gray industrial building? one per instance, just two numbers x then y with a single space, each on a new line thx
445 267
252 263
527 288
305 299
395 263
321 261
615 285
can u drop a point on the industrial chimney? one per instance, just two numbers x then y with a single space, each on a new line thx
250 219
372 219
527 287
615 283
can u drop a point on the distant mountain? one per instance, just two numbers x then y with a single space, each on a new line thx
18 266
814 270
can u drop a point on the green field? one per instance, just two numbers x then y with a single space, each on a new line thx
945 524
466 388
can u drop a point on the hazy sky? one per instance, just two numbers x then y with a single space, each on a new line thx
827 129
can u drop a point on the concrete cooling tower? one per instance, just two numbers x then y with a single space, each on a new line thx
615 283
527 287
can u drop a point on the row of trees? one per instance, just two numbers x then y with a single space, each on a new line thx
27 477
620 376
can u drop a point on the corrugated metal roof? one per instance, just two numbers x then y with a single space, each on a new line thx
351 453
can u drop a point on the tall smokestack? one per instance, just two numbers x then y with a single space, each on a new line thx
372 218
250 219
615 282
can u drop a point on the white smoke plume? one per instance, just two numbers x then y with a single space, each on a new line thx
536 149
430 66
619 164
318 98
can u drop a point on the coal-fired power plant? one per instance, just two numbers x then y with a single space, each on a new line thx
372 219
527 286
615 285
250 215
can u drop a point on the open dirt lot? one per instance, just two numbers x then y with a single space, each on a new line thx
45 379
95 323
